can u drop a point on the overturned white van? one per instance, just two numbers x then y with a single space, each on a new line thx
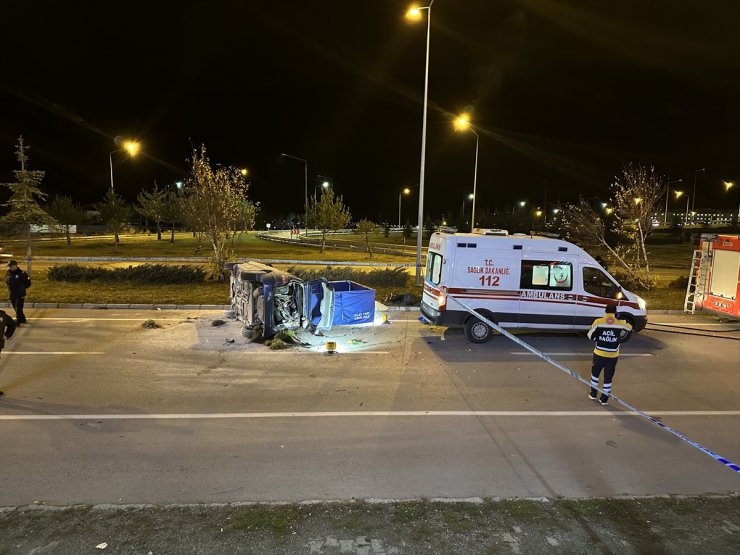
519 281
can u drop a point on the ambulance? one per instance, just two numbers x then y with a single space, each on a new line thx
519 281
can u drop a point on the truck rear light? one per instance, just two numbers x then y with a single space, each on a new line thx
442 299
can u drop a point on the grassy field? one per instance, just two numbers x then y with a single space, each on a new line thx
669 261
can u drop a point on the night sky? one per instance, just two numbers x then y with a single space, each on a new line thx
562 92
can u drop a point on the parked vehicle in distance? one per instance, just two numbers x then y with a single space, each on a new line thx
519 281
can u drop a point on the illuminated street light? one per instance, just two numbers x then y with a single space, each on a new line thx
538 213
679 194
522 203
132 147
244 172
555 210
729 185
462 123
638 200
414 13
667 194
405 191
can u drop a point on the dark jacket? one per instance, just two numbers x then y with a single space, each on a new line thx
7 327
17 281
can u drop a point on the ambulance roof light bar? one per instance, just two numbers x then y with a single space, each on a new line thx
486 231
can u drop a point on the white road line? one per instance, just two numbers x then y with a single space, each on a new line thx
254 415
586 354
54 353
81 319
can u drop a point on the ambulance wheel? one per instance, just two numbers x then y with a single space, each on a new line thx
477 331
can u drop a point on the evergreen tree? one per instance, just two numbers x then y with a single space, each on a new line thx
152 205
114 212
24 208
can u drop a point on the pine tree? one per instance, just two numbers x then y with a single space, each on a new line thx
114 212
25 211
152 205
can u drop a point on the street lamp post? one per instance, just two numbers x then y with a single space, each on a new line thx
667 194
305 175
686 217
132 147
415 13
729 185
693 195
404 191
463 124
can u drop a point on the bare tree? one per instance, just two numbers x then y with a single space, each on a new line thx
635 194
327 214
367 227
215 206
24 208
67 213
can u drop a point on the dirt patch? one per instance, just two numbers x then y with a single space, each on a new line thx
634 525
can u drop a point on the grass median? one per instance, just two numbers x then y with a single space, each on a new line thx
670 262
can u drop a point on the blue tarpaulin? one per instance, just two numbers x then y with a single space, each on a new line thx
353 303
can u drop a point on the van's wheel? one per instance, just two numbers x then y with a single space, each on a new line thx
248 332
477 331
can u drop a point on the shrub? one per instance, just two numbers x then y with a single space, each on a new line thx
145 273
681 283
386 277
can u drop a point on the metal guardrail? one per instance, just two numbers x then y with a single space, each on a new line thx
380 248
202 259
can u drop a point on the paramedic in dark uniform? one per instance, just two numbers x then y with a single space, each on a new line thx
607 332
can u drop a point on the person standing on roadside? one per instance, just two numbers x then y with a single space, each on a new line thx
607 332
17 281
7 328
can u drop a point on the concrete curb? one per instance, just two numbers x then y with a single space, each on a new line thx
103 306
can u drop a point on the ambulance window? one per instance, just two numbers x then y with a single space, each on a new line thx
597 283
542 274
434 267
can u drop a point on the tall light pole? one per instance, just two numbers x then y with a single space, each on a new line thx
729 185
463 124
415 13
132 147
686 217
693 195
404 191
668 194
305 175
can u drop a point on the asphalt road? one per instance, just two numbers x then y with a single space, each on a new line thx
99 409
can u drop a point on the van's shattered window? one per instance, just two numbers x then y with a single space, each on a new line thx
544 274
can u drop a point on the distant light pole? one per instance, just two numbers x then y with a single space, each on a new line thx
405 191
693 196
324 185
132 147
415 14
678 196
729 185
305 174
667 194
463 124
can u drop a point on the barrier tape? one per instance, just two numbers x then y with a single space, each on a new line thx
574 375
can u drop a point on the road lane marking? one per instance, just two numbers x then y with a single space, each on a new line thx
581 353
255 415
54 353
